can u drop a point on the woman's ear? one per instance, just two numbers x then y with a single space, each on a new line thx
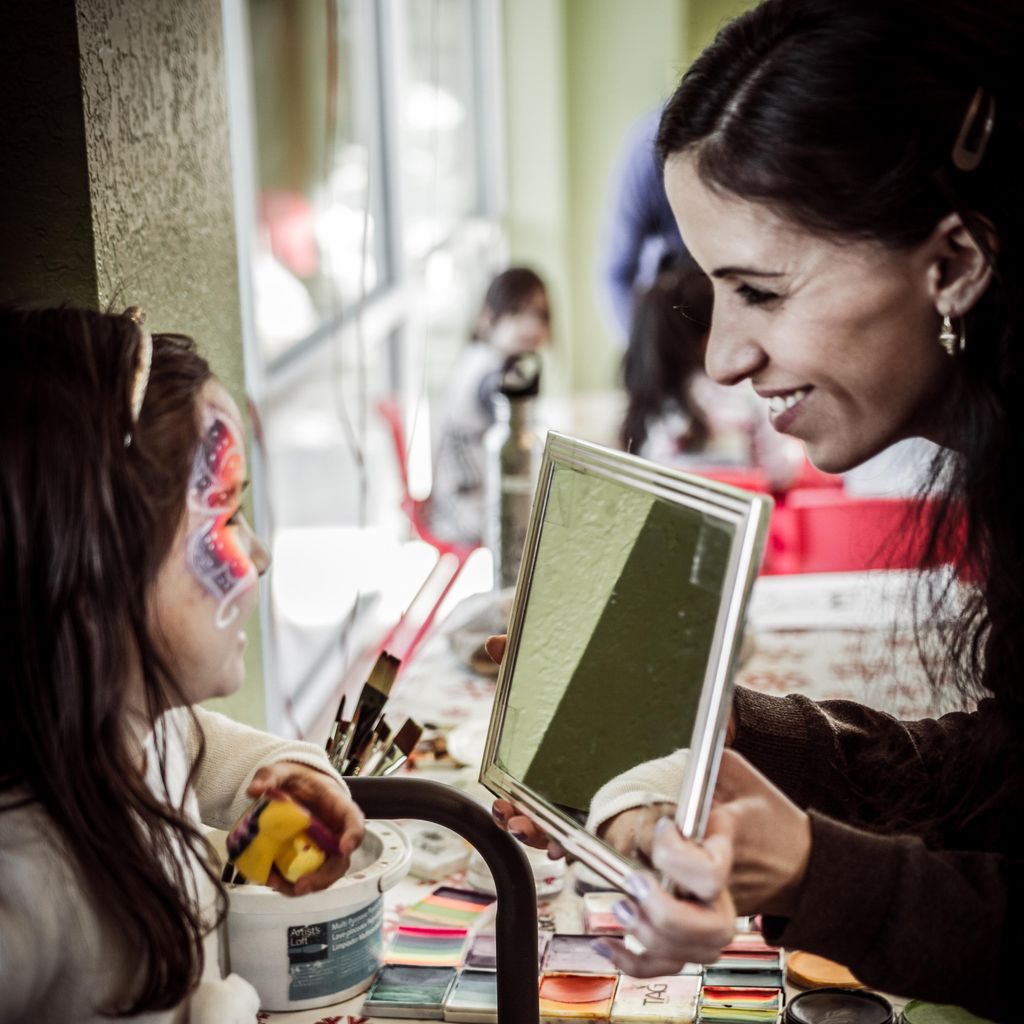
959 270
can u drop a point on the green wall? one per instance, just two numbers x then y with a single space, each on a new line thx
579 74
115 178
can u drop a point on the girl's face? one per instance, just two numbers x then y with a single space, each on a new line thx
207 586
839 338
525 330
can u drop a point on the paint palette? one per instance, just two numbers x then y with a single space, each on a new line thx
722 977
453 908
574 954
427 946
598 916
473 998
737 1005
575 997
403 990
483 954
671 1000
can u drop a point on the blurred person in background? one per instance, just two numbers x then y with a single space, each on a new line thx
675 413
640 235
515 317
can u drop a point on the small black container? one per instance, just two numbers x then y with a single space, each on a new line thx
838 1006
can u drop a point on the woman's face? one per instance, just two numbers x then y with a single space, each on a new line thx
525 330
207 586
839 338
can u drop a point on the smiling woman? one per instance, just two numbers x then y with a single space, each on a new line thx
847 174
838 336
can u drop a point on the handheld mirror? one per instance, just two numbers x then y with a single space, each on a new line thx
623 636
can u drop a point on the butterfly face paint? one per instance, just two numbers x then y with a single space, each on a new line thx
215 556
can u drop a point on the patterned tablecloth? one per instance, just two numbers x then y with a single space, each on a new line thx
847 635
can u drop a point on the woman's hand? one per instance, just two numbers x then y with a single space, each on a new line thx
321 795
772 838
752 860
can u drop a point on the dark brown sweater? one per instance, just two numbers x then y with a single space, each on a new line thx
929 907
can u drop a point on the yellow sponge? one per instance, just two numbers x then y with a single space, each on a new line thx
278 831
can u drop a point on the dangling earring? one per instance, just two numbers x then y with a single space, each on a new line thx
954 343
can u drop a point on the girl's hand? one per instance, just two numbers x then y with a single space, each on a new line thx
752 860
322 796
631 832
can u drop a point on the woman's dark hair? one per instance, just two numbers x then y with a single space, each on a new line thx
507 293
666 349
90 503
842 118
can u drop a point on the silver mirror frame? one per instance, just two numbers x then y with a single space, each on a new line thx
748 515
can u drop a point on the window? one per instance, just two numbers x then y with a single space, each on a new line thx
369 228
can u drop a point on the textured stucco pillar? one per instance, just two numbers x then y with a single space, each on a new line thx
115 177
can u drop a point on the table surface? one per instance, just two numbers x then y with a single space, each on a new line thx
843 635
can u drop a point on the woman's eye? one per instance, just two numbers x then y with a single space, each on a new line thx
755 296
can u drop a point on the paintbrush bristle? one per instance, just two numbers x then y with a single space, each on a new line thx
408 736
382 676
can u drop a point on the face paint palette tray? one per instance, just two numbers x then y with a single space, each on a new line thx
409 991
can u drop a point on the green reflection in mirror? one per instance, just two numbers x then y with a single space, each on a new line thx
619 624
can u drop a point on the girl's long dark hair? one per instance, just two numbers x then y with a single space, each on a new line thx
842 117
666 349
89 505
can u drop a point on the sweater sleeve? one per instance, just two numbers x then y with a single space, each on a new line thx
836 756
234 753
932 925
657 781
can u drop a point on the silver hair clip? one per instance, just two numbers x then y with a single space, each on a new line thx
970 144
141 379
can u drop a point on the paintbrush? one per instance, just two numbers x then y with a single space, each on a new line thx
336 726
377 739
401 747
377 752
371 701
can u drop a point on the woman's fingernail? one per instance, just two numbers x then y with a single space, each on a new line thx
602 948
624 912
662 824
638 887
516 834
498 816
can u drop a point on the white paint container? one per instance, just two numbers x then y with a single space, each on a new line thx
300 952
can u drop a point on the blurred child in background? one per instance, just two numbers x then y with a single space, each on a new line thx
515 317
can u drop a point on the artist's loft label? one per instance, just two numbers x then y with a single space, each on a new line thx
327 957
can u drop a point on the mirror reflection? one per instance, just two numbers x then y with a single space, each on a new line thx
614 646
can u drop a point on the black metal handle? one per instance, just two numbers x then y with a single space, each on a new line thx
516 920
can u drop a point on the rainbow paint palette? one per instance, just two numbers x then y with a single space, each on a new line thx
671 1000
453 908
566 998
427 946
408 991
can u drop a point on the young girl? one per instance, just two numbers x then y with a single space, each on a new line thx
515 318
127 573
